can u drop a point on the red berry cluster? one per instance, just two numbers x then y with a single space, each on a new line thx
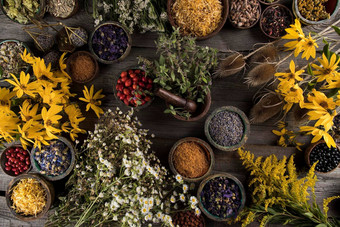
131 87
18 160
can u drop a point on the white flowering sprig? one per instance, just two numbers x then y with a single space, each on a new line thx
143 15
117 178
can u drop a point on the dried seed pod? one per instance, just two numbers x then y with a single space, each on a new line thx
267 53
230 65
268 106
260 74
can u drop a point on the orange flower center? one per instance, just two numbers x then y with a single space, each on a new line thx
48 122
324 104
327 71
310 43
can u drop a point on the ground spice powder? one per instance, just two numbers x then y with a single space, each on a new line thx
82 68
190 160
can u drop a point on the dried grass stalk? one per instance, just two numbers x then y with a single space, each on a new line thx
268 53
230 65
260 74
268 106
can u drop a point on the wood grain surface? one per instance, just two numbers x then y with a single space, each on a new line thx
230 91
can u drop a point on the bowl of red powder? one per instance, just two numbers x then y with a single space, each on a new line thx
192 158
82 67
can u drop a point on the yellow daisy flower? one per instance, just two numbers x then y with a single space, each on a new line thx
93 103
26 57
5 99
292 94
51 97
62 65
295 33
26 132
8 125
318 134
328 70
292 75
75 117
308 48
22 87
28 112
51 118
333 84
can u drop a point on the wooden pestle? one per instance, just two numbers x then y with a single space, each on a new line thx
176 100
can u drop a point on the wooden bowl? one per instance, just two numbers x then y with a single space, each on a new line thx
275 6
205 147
246 128
127 51
73 57
202 110
186 212
225 12
332 7
74 11
269 3
39 15
122 104
205 181
36 165
45 184
3 160
309 150
245 27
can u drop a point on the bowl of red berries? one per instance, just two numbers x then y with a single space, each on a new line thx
134 89
15 160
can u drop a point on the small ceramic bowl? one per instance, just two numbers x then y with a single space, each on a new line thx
265 12
39 14
45 184
269 3
74 11
225 12
126 51
309 150
332 7
246 128
4 159
70 62
37 167
230 177
205 147
201 111
180 217
121 101
233 14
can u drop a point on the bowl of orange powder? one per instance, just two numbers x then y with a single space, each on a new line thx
82 67
192 158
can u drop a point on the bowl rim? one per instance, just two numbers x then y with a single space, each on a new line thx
45 184
272 6
257 20
40 13
297 14
225 14
36 166
206 180
128 48
3 158
121 103
269 3
245 122
309 150
76 54
204 145
185 211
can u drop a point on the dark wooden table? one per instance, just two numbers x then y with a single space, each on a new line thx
230 91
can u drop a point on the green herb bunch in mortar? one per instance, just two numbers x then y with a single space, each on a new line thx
183 68
118 181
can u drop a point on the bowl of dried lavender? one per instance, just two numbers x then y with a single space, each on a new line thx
110 42
54 161
221 196
227 128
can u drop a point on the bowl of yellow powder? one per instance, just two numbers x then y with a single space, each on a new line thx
192 158
199 18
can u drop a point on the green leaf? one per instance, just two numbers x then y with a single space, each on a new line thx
309 70
324 41
308 214
199 100
336 29
167 111
173 78
1 72
326 51
321 225
204 80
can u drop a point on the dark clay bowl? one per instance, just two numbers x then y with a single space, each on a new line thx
73 57
307 155
205 181
37 168
246 128
245 27
127 51
3 160
275 6
205 147
74 11
45 184
225 12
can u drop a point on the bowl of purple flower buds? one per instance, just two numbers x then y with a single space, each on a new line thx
54 161
221 196
110 42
